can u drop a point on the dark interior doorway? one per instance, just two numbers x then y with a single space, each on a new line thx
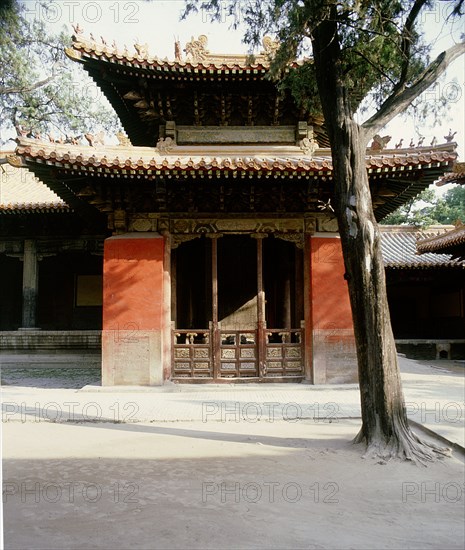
238 304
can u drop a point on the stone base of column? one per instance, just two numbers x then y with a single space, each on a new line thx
334 357
131 358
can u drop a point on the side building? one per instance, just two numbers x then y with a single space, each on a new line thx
426 293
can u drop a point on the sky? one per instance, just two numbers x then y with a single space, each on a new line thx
158 24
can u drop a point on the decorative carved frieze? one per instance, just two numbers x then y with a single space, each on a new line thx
292 230
309 225
327 223
178 239
141 224
296 238
235 225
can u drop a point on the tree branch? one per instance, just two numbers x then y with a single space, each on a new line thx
26 89
406 42
377 68
402 97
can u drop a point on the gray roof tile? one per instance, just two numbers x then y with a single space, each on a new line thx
399 246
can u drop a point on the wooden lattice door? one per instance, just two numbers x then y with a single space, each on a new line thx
221 284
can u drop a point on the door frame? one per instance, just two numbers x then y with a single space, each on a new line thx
291 338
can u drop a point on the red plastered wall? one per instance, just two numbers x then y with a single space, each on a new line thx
133 282
329 292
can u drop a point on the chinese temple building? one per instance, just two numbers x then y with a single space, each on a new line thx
221 254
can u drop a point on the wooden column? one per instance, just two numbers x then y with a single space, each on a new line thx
167 334
215 333
30 285
214 245
261 335
299 292
287 306
308 338
174 305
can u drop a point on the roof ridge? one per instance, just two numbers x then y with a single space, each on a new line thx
197 54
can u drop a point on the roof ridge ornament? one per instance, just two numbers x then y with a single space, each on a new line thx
123 139
177 50
450 136
379 143
308 146
141 49
78 30
95 139
165 145
196 50
270 46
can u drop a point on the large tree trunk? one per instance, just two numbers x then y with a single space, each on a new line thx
385 426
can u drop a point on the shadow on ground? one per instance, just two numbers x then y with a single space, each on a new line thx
230 486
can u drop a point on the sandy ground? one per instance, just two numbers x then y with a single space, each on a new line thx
164 479
220 485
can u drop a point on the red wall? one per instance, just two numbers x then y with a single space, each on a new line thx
133 283
333 349
330 296
132 336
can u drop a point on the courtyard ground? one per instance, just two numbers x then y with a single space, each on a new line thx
206 467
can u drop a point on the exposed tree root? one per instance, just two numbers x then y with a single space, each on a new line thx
403 444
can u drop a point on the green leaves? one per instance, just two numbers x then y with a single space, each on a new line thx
41 90
428 209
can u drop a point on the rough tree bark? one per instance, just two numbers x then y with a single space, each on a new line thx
385 426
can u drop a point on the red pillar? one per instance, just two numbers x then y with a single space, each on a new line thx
334 359
133 313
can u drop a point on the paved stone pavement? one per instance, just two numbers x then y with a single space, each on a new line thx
434 394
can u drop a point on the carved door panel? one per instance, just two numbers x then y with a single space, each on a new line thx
238 354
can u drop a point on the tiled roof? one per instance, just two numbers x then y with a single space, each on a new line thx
288 161
202 65
443 241
399 246
21 191
456 176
